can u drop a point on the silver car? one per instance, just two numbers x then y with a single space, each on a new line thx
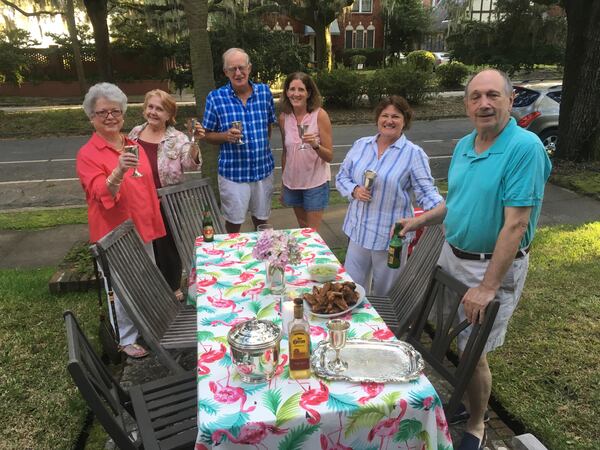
536 108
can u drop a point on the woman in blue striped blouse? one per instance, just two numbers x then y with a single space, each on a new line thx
402 170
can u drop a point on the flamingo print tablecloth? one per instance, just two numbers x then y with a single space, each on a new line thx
286 413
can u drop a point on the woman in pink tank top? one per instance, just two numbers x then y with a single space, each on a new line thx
307 150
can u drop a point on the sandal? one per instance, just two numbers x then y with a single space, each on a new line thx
179 295
134 351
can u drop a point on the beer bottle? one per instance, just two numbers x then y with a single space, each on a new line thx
208 231
395 249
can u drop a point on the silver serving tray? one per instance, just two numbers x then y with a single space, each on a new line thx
370 360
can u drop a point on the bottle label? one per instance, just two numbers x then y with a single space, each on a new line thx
299 351
394 257
208 232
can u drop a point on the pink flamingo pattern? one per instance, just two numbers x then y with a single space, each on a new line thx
386 428
297 414
229 394
313 397
223 303
251 433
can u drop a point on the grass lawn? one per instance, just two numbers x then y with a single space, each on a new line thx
40 408
548 372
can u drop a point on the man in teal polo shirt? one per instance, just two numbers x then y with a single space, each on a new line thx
496 185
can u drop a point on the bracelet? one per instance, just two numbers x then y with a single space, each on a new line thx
112 182
116 177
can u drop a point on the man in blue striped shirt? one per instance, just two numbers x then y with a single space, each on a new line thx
238 117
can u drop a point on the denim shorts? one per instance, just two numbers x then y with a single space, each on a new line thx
313 199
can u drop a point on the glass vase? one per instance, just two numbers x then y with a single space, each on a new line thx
275 278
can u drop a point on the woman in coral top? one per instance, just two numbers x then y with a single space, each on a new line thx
170 153
305 159
112 193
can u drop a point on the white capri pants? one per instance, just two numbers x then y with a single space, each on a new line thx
369 268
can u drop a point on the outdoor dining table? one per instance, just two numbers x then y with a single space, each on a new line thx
286 413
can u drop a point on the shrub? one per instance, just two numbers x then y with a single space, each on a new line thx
374 56
404 79
340 87
422 60
451 75
358 59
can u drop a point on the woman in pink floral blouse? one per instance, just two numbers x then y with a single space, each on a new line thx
170 153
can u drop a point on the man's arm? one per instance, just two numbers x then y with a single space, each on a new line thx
434 216
476 299
217 138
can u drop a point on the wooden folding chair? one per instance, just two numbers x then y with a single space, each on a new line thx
183 205
445 294
400 306
163 321
164 410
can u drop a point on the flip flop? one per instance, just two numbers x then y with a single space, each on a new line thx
179 295
134 351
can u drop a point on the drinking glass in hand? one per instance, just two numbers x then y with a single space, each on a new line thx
192 129
134 150
237 124
302 128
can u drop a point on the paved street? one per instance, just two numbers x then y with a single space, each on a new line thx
41 172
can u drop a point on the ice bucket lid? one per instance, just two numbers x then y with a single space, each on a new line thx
254 334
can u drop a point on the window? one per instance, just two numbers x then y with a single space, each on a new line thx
349 35
360 38
362 6
370 36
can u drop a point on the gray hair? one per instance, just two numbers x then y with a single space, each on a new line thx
233 50
508 87
108 91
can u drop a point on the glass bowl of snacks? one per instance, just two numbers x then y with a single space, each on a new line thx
323 272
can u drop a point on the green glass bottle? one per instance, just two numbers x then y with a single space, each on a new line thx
208 231
395 249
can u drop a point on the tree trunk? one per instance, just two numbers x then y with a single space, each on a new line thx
71 25
97 11
579 121
196 13
323 55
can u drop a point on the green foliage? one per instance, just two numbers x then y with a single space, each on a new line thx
405 80
523 36
14 61
271 53
407 23
340 87
358 59
43 218
374 56
421 59
451 75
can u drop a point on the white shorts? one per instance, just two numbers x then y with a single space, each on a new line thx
239 198
471 273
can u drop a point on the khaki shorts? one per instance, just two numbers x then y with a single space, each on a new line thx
239 198
471 273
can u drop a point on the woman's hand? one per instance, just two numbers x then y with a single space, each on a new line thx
199 131
361 193
126 161
311 139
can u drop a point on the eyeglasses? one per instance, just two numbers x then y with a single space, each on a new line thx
234 69
116 113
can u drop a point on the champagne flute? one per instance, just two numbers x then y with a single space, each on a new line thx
134 150
193 123
237 124
302 128
338 329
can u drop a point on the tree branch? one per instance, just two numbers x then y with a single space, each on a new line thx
31 14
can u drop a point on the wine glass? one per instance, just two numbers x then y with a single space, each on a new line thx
192 129
338 329
237 124
134 150
302 128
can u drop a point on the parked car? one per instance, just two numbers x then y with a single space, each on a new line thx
441 58
536 108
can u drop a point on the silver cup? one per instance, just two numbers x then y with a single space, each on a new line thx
237 124
369 179
135 150
338 329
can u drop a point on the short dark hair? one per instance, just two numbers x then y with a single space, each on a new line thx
314 96
400 104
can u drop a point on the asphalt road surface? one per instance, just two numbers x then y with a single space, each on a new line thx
41 172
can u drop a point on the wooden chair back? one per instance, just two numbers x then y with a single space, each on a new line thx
183 205
444 296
